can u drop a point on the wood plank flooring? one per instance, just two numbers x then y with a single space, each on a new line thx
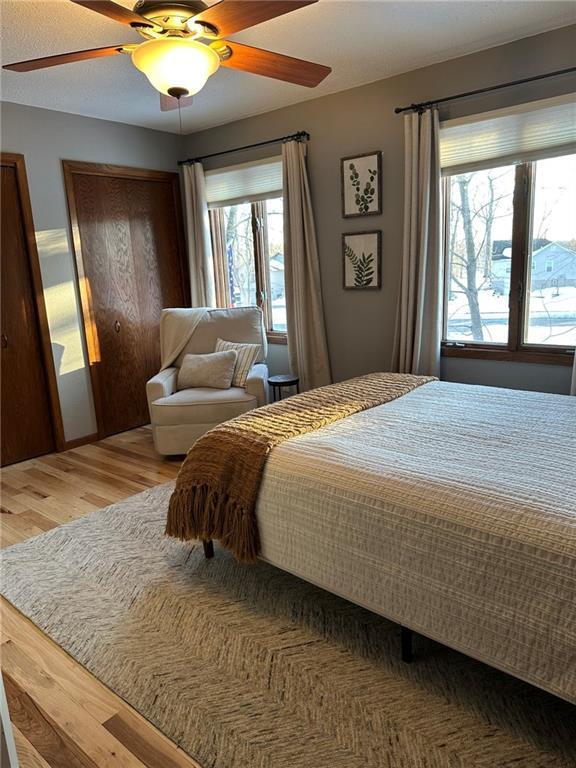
63 717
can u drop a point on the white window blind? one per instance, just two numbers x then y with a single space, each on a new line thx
513 135
245 182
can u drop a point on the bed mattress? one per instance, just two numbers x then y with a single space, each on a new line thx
452 511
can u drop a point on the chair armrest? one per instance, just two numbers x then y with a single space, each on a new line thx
161 385
257 383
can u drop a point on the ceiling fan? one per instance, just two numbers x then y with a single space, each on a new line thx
184 44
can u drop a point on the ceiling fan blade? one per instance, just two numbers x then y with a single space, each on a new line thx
115 12
276 65
66 58
168 103
229 16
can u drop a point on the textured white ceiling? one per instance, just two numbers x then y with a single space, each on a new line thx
362 40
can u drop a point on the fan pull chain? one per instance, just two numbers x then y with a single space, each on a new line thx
180 115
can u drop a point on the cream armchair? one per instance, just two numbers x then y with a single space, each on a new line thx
179 418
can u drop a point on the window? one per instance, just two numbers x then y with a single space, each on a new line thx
510 242
246 222
510 234
479 255
240 266
275 240
550 311
248 247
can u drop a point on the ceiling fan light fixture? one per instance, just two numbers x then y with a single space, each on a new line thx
176 64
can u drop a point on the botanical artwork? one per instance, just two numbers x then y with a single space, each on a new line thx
361 185
361 254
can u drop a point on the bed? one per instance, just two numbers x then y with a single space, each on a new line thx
451 510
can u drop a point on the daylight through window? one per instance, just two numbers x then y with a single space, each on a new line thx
510 244
248 247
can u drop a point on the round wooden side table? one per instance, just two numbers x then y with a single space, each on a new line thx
285 380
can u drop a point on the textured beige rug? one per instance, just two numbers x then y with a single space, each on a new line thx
248 667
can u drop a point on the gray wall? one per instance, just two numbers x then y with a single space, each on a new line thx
277 359
360 325
45 138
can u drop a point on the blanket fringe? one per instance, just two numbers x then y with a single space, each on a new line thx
204 512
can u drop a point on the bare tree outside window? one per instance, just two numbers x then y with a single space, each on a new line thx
480 233
240 254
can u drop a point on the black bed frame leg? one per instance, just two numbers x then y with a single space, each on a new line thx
406 636
208 545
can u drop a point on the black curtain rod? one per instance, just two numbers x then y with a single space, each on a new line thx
300 136
427 104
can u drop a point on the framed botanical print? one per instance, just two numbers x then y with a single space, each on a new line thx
362 257
361 182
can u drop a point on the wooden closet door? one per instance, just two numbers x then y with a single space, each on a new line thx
26 420
161 278
127 233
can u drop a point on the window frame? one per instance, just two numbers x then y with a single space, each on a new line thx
516 349
260 246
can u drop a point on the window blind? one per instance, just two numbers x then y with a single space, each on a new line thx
513 135
245 182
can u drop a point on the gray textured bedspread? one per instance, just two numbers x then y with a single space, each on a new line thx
451 510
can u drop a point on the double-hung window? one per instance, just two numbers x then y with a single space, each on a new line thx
509 190
246 224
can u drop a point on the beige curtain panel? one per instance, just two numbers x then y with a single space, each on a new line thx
419 324
218 233
199 242
307 347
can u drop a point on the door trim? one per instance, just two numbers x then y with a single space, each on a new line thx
16 161
71 168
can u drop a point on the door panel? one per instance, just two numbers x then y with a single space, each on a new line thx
129 250
26 421
104 223
159 279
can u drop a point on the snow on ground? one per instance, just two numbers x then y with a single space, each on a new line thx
551 315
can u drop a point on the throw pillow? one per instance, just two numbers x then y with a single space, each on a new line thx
214 370
247 354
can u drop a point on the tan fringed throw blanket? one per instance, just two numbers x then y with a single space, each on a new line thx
217 487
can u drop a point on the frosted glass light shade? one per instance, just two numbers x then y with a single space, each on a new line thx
174 62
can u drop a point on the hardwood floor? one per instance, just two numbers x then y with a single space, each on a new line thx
64 717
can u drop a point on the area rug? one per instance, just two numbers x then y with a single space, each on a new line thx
245 666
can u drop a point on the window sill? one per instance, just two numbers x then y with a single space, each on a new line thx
525 355
275 337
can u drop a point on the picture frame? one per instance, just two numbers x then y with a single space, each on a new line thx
361 185
362 260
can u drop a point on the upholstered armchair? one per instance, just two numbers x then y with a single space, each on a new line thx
179 418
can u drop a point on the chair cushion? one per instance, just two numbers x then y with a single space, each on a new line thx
201 405
246 357
214 370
